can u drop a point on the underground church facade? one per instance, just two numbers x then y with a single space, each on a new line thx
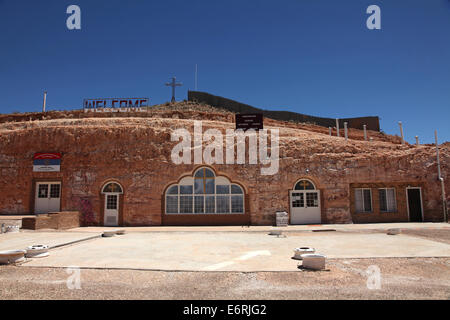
119 171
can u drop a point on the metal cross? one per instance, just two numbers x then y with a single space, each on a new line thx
173 84
304 184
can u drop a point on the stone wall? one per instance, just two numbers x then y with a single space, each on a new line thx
136 152
54 220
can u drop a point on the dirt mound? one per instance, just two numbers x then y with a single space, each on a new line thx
189 110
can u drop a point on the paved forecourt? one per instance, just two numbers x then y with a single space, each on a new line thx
21 240
232 251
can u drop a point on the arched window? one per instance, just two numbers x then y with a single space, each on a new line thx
204 193
112 187
304 185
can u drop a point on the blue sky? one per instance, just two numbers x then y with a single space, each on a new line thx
313 57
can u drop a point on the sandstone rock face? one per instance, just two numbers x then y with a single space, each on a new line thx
135 151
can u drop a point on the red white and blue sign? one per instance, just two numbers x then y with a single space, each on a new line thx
46 162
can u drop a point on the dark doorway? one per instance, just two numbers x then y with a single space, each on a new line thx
414 205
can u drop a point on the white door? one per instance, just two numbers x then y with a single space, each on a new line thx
48 197
305 206
111 210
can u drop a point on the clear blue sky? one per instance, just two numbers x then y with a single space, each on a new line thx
310 56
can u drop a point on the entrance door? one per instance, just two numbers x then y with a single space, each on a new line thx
111 210
305 206
48 197
415 204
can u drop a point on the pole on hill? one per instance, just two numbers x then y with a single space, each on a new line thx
401 132
45 101
440 178
196 76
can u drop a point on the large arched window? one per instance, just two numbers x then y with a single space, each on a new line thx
204 193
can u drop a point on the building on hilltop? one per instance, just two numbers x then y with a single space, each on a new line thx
119 171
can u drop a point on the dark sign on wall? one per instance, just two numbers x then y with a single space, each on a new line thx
249 121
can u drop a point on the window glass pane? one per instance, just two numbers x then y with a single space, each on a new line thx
43 191
112 187
185 204
391 202
54 190
222 189
312 199
210 204
209 173
304 185
172 204
237 204
209 185
383 200
367 200
235 189
198 204
199 173
223 204
172 190
297 200
111 202
186 189
198 185
359 205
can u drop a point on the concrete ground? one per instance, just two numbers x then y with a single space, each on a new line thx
223 263
224 251
400 278
21 240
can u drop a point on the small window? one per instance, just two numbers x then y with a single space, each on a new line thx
43 191
388 202
54 190
112 188
363 200
298 200
312 199
111 202
304 185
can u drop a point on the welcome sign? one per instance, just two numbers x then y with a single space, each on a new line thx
115 104
46 162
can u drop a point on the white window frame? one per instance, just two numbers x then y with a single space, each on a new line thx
395 200
363 202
